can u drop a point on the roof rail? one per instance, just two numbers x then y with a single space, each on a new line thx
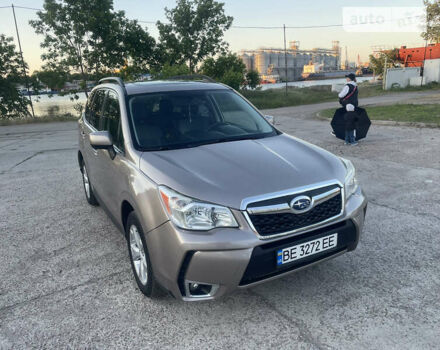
195 77
114 80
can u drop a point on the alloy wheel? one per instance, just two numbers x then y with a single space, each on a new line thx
86 181
138 255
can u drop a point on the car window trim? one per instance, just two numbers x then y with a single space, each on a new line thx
116 148
92 128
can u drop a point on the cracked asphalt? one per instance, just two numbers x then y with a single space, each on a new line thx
65 278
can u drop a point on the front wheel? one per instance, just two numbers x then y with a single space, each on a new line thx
139 258
90 196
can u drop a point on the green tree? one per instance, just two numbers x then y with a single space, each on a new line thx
168 70
228 69
377 63
252 79
194 32
53 79
433 21
88 36
12 103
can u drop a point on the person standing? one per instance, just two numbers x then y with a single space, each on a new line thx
349 93
350 118
348 98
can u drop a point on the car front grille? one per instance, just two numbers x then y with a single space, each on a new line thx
263 262
272 224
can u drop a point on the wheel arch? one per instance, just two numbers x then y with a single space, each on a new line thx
126 209
80 159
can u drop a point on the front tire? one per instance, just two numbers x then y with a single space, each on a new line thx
139 258
90 196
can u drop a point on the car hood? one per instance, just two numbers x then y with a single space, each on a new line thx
227 173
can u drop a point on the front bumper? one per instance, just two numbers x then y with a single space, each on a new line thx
237 258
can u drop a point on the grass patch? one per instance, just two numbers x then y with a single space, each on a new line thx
369 90
275 98
410 113
44 119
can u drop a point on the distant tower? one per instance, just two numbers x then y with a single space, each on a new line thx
294 45
337 52
346 58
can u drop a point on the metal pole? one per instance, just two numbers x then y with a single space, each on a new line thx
424 56
384 77
22 62
423 65
285 54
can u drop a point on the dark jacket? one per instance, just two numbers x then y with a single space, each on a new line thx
351 97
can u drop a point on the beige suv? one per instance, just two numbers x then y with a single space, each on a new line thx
210 196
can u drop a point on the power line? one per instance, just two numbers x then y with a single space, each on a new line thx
242 27
27 8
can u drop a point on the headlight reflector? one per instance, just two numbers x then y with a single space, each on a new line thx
190 214
350 183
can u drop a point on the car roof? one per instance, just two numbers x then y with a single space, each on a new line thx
169 85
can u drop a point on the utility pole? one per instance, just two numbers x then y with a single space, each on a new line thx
423 65
22 62
285 54
384 77
424 56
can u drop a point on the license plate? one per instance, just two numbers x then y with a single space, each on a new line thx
296 252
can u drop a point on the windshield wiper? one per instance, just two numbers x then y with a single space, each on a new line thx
205 142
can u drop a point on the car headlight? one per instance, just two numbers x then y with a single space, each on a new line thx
191 214
350 183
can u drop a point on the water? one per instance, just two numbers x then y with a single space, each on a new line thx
59 105
308 83
45 105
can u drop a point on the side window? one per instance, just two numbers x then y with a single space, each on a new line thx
89 106
96 108
111 119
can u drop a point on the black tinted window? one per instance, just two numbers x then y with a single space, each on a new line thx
89 106
95 108
182 119
111 119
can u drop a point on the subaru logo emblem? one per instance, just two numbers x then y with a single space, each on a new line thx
301 204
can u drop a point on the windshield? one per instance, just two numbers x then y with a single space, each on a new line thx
179 119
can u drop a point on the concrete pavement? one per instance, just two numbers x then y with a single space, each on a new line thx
65 278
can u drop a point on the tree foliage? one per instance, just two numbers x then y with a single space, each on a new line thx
194 32
168 71
252 79
228 69
433 21
377 64
12 103
53 79
89 36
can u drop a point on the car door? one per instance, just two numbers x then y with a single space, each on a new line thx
91 123
111 163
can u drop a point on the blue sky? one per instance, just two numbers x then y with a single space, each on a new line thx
245 13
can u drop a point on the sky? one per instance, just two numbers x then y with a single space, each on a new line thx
246 13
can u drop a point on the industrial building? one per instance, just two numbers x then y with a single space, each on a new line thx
271 62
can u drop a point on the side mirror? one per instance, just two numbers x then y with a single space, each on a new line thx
270 119
100 140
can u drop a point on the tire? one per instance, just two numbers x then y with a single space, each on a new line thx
136 241
90 196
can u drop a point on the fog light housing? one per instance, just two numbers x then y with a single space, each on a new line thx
200 290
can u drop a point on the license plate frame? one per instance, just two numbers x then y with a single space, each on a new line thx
306 249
